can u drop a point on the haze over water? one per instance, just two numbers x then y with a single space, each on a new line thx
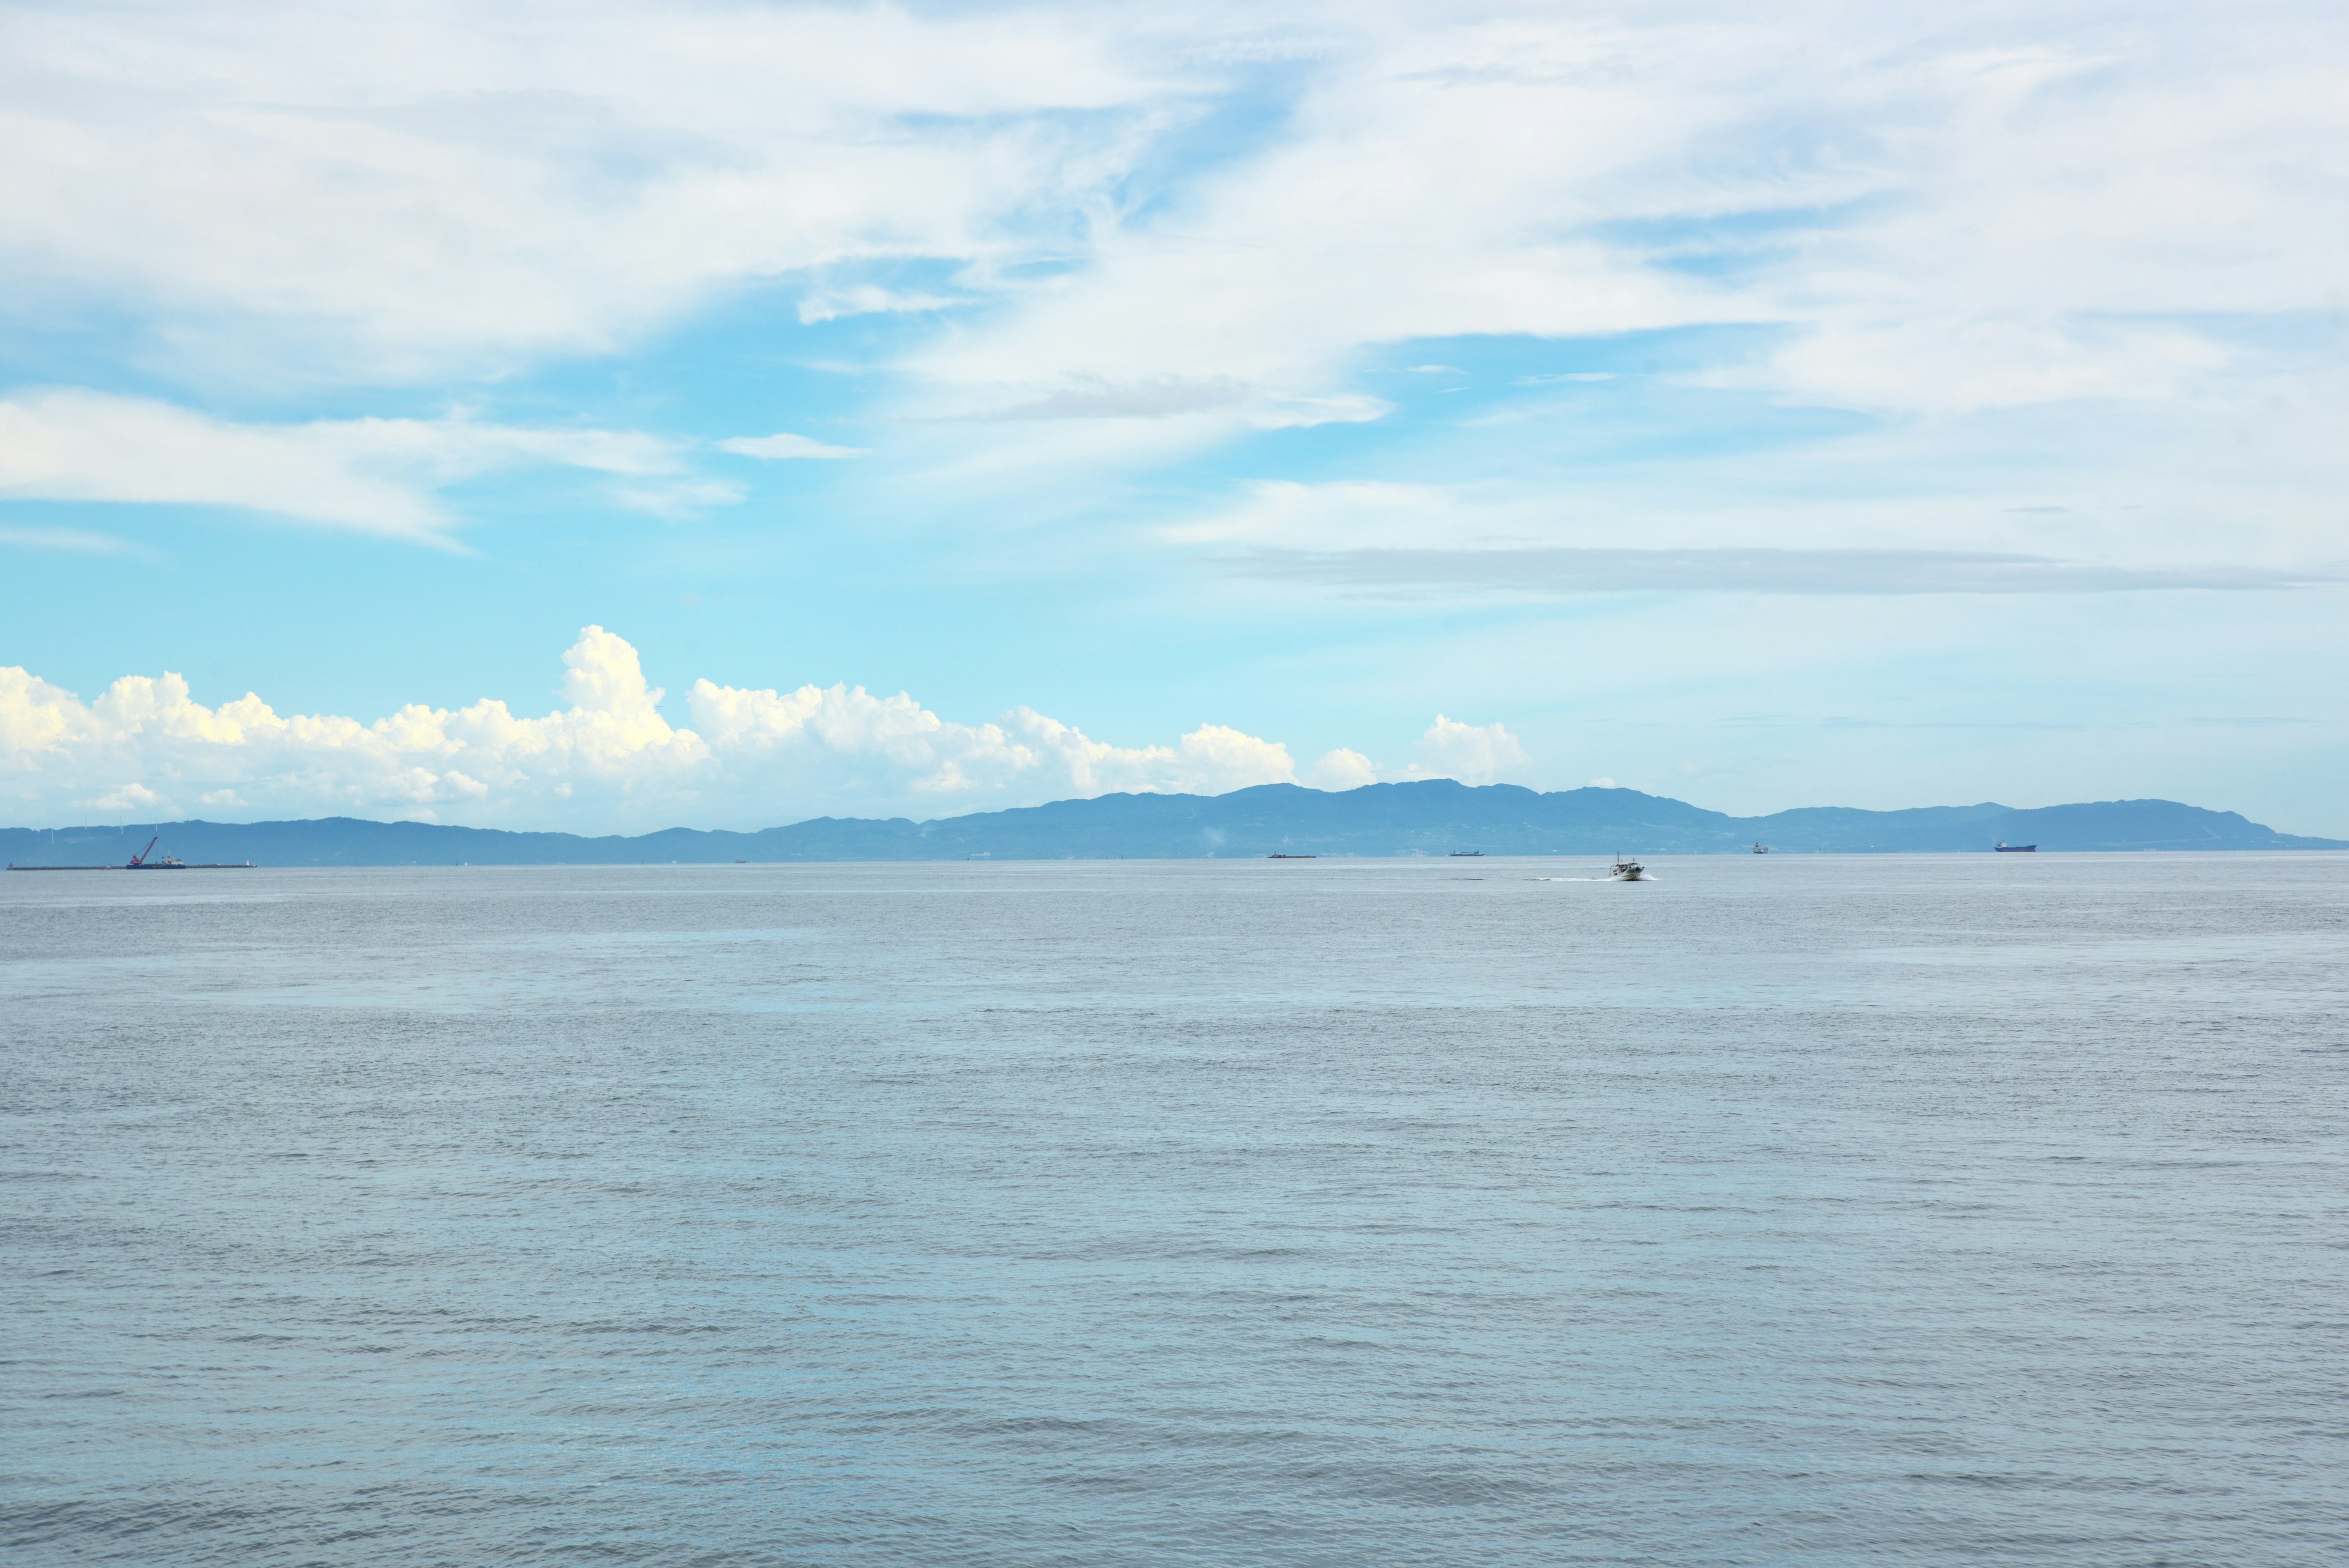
1910 1209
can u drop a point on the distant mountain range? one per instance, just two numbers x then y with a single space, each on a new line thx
1430 817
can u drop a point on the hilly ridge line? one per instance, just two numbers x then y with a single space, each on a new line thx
1430 817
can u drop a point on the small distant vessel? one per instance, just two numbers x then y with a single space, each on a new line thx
139 862
1292 857
1760 848
2004 847
1628 871
1467 854
147 860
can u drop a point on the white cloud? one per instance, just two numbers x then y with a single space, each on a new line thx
2114 220
386 192
80 540
1952 206
1343 768
2119 494
373 475
1935 212
1474 754
127 797
782 446
1024 750
613 738
869 299
754 756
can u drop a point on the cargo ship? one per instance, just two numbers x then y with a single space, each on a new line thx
2004 847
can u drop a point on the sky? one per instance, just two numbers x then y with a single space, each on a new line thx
612 416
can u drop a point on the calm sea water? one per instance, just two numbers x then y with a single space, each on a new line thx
1785 1210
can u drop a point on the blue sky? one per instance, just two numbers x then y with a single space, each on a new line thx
608 416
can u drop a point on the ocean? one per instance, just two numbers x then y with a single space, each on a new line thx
1909 1209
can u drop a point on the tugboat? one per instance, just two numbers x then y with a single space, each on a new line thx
1628 871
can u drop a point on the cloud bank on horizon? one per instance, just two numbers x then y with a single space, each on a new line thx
1694 388
145 749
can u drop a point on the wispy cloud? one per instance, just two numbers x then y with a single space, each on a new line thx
1092 397
784 446
80 540
1969 208
371 476
357 195
869 299
1555 573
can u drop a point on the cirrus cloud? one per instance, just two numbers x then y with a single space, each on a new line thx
406 191
371 476
784 446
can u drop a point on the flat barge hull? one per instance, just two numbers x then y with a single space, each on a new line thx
228 865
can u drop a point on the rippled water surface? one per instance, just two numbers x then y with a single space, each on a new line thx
1784 1210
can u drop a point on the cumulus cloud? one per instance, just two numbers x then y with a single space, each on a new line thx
127 797
613 740
1473 753
1343 768
752 757
372 475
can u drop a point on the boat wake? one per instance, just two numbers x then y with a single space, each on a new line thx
1643 877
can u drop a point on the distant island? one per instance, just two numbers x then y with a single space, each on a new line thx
1433 816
